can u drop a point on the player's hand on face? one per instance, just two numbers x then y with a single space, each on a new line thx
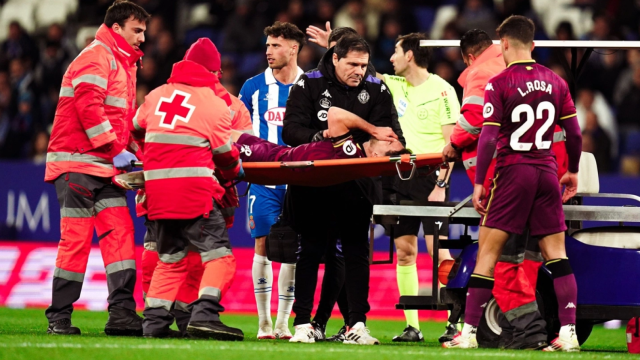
570 182
449 154
478 197
384 134
319 36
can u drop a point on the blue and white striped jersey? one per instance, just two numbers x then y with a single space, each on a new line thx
266 99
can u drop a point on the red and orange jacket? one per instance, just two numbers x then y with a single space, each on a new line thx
187 134
96 97
241 121
466 132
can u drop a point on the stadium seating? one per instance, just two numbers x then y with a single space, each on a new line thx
50 12
588 180
83 33
19 11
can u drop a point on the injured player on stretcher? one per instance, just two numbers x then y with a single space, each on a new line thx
339 143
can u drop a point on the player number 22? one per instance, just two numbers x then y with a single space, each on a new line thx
528 111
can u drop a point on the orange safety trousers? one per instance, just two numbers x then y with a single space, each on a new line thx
87 203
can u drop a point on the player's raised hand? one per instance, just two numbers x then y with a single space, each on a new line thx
384 134
478 197
570 182
319 36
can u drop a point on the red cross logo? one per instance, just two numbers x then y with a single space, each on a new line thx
175 108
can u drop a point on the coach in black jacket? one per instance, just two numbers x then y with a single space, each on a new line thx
317 213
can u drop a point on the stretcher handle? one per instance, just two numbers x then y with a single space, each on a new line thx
413 170
136 163
296 164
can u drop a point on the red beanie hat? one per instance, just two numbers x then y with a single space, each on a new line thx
205 53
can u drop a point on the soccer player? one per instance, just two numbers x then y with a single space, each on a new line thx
338 143
265 96
521 106
516 272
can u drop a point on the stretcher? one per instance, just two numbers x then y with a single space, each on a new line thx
331 172
314 173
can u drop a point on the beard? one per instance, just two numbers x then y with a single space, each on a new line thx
277 65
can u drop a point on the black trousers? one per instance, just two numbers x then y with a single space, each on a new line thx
333 288
317 214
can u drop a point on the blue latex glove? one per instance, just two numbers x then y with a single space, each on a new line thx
240 172
123 160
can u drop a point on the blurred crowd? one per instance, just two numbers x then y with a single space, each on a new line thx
607 94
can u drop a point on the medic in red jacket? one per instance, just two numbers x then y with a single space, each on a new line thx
86 149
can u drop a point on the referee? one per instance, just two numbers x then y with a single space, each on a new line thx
427 109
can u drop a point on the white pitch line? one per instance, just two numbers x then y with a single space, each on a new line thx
200 345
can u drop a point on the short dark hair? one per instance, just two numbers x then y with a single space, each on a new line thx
288 31
350 43
398 152
421 54
339 33
121 10
474 42
517 27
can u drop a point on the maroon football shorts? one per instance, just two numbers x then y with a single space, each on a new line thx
525 195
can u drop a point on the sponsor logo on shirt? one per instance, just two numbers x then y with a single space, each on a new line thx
489 87
402 107
300 83
326 93
323 115
488 110
245 149
349 147
363 97
325 103
274 116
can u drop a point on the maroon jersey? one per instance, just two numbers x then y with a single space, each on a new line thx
254 149
526 101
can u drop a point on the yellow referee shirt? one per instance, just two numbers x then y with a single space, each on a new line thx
422 110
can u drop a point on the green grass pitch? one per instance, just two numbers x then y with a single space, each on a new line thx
23 336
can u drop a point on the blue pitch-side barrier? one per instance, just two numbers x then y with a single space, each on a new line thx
29 208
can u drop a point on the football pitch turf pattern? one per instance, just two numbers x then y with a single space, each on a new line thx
23 336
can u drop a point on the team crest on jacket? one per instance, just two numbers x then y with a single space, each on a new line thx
325 103
363 97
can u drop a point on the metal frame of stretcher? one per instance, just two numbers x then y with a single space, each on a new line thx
464 213
574 70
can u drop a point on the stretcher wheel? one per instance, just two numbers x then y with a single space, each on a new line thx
489 330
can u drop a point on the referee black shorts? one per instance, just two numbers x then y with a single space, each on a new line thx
418 189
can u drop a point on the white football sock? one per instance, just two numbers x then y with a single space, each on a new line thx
286 289
262 275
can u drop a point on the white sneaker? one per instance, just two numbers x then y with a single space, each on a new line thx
282 333
465 339
304 334
567 340
359 335
265 333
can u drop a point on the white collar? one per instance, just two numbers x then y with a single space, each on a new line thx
270 79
